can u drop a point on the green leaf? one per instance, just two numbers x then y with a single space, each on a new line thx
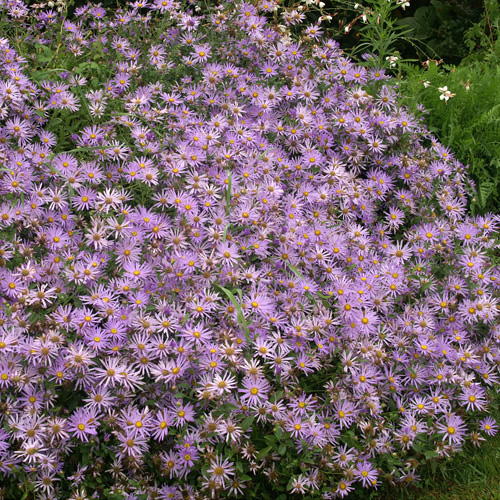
45 54
228 192
429 454
241 318
270 440
262 453
247 422
224 410
295 270
282 449
426 286
278 432
26 493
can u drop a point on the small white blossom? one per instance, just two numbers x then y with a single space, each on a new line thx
445 93
392 60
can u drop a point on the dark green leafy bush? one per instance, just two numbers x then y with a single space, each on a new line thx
469 122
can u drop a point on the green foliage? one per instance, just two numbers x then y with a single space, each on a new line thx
441 24
380 32
469 122
483 34
433 28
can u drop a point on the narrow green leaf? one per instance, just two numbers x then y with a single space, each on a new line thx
278 432
295 270
263 453
426 286
431 454
247 422
241 318
228 192
270 439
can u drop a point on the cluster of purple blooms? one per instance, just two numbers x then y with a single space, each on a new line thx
248 235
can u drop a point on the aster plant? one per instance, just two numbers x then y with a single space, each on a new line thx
230 262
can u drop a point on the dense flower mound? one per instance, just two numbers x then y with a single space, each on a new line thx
230 262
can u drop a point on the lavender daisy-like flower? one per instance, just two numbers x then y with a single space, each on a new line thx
344 487
344 412
474 397
182 414
228 253
254 390
453 428
161 424
131 446
297 427
83 424
489 426
221 470
366 474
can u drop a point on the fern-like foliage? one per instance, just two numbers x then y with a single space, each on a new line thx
469 122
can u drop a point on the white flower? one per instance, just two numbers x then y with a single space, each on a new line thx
426 83
445 93
392 60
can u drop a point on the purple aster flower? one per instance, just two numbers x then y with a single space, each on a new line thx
474 397
366 474
344 412
184 413
132 446
297 427
228 253
489 426
221 470
254 390
83 424
344 487
161 424
453 428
